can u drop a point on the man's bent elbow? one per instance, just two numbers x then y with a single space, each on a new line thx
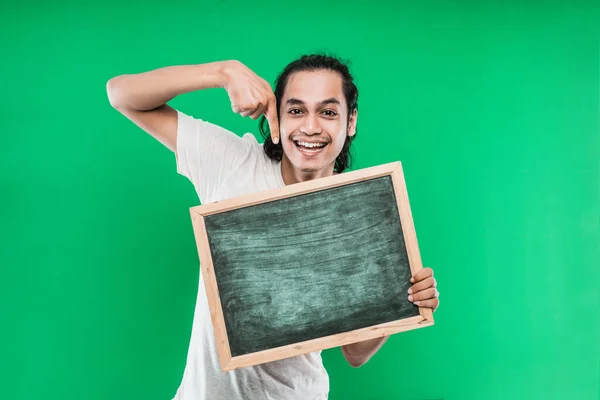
355 362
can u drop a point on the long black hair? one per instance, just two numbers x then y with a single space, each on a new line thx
314 62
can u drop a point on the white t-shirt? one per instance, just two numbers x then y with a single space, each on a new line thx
222 165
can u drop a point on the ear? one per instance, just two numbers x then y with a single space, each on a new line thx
352 123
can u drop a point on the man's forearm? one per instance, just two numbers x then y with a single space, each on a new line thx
359 353
149 90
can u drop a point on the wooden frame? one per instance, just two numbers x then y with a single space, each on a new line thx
425 317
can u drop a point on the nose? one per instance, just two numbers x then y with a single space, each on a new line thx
311 125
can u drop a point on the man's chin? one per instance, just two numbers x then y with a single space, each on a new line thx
310 168
307 169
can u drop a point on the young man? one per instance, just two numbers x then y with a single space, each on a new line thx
311 118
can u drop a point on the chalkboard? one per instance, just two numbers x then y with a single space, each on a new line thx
309 266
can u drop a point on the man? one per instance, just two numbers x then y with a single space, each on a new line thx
311 118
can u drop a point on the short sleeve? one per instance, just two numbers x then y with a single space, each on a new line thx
206 153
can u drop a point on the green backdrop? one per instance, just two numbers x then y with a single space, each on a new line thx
493 110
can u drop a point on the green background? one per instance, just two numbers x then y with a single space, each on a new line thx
493 110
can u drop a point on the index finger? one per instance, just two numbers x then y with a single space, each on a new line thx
422 274
271 115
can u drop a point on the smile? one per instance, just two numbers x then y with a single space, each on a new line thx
309 147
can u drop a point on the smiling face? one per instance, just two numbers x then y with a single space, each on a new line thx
313 124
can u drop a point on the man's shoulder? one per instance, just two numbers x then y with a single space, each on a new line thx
251 139
255 147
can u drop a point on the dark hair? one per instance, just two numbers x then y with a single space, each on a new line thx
313 62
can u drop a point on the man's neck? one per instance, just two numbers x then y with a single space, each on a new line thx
291 175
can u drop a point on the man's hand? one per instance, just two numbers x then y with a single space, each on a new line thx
423 292
251 96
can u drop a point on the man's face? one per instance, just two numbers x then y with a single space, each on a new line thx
314 120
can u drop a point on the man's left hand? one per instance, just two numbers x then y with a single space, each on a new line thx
423 292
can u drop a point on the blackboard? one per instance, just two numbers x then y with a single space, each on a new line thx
309 264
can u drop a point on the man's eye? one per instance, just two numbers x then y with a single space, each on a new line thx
330 113
295 111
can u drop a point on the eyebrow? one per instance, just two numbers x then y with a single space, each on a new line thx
331 100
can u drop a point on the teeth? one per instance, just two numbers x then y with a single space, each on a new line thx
311 145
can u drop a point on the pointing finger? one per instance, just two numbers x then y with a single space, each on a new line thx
271 115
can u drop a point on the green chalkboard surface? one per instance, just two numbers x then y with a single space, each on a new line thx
310 266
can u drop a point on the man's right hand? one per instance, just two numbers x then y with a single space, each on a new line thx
143 97
251 95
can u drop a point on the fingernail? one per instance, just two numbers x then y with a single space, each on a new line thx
416 303
409 291
410 298
412 280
